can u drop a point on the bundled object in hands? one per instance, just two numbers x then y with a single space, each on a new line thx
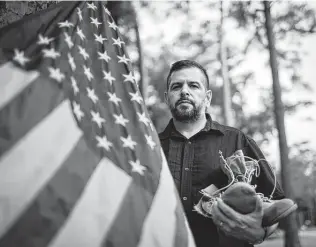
240 195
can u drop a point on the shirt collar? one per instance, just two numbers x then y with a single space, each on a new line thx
210 127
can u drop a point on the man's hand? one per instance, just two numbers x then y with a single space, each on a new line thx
246 227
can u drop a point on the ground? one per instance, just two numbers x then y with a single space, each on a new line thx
308 239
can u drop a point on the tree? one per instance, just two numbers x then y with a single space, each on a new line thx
124 14
291 237
303 175
13 11
143 84
199 41
292 22
228 118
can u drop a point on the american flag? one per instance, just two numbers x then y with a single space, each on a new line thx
80 162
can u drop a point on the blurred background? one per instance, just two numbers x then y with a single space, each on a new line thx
257 84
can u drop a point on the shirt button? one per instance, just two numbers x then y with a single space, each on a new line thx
187 169
189 143
184 198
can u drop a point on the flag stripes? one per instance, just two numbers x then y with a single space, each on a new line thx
28 107
95 211
80 164
13 81
155 226
55 201
29 165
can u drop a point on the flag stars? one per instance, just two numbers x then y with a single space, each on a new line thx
104 143
119 119
142 118
113 98
91 94
128 142
71 62
136 97
112 25
137 167
56 74
95 22
129 77
44 40
68 41
83 52
74 85
65 24
104 56
99 38
123 59
118 42
151 126
106 10
80 33
79 12
88 73
91 6
50 53
20 57
150 141
97 118
77 111
108 76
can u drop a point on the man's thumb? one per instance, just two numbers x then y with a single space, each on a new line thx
259 207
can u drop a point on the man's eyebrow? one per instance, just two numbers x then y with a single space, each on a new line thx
181 81
176 82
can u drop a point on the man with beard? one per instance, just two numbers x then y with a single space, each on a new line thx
191 143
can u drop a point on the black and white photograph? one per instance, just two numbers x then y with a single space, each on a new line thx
158 123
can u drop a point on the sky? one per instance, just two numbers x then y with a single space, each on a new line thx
299 126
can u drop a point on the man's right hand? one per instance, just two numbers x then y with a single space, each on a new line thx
246 227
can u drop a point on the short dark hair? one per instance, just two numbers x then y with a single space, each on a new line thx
183 64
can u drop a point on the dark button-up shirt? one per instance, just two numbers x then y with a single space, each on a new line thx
194 165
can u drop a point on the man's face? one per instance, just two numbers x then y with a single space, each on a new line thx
187 94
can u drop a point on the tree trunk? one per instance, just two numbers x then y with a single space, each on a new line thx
291 230
142 81
227 110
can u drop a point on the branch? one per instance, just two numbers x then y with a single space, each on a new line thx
312 29
259 38
249 42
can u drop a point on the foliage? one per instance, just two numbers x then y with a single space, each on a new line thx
292 22
13 11
198 40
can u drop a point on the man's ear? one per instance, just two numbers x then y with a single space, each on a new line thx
209 96
166 98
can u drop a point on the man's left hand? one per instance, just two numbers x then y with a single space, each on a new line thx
246 227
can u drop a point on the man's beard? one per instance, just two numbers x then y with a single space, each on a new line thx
185 115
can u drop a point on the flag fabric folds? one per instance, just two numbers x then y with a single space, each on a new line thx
80 161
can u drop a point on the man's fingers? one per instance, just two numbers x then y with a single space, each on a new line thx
220 219
228 211
217 215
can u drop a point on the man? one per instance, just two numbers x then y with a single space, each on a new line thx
191 143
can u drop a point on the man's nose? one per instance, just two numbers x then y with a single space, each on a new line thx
185 90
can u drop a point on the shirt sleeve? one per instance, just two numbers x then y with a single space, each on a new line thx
266 181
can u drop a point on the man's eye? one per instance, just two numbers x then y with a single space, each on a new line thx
194 85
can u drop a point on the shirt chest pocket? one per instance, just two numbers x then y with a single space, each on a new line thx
206 169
